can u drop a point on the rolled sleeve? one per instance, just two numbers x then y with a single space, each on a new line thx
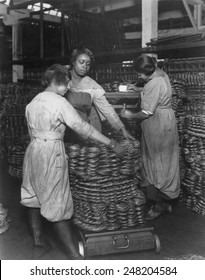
151 94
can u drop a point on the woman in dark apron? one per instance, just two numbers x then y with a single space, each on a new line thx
88 97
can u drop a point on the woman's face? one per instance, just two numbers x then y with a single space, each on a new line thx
82 65
62 89
143 76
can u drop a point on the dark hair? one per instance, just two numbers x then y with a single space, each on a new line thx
57 73
76 52
144 64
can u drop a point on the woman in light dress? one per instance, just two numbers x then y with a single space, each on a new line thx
160 144
45 188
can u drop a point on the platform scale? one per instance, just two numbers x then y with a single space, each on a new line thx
119 241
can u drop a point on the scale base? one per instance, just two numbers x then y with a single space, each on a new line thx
120 241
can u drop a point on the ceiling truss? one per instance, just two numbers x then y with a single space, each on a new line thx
193 8
195 16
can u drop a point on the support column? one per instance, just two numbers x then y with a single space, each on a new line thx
62 35
198 15
11 19
41 30
17 70
149 21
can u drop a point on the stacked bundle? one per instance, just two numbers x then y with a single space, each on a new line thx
15 97
196 101
123 72
190 78
178 102
14 134
195 125
193 184
15 156
15 160
191 72
105 203
105 188
15 126
86 161
107 87
111 86
179 95
90 216
4 221
2 142
2 112
193 191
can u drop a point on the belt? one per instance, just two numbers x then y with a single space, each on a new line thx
47 135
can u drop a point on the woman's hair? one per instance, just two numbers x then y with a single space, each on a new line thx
76 52
144 64
58 74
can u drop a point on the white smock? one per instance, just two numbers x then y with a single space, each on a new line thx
45 170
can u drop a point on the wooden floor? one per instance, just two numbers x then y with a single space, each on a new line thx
181 232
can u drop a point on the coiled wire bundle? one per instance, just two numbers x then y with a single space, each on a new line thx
193 184
4 220
105 188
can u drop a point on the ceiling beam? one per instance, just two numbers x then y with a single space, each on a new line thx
111 6
186 6
196 2
165 33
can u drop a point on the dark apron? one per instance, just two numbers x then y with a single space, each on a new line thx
82 103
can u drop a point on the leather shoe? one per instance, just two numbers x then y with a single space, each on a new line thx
157 210
39 251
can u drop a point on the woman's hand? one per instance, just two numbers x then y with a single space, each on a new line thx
126 114
126 134
117 148
131 87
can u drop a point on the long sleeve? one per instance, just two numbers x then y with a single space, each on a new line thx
71 118
106 110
